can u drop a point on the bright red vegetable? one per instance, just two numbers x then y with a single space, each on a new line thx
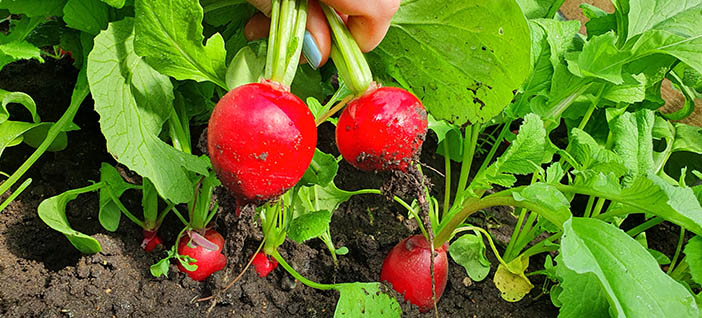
208 261
261 139
407 268
382 130
151 240
263 264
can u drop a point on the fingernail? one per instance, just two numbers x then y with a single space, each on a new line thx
311 51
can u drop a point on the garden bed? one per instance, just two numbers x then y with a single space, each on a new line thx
42 274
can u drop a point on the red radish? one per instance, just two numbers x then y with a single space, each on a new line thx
151 240
382 130
261 138
263 264
208 261
407 268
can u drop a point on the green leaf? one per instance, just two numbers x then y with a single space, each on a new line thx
687 138
538 8
447 135
523 156
170 37
11 132
18 50
632 90
593 156
34 137
53 212
469 252
633 140
318 197
25 100
308 82
365 300
321 170
115 3
596 59
134 101
645 15
433 48
247 66
34 8
648 194
309 225
630 277
89 16
693 257
581 294
550 199
599 22
511 281
109 213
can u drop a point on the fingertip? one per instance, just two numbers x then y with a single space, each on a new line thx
257 27
317 37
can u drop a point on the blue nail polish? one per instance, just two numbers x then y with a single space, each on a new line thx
311 51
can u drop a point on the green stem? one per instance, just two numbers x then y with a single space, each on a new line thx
163 213
124 210
15 194
347 56
677 274
80 91
645 226
447 176
469 142
678 249
542 247
297 275
591 109
180 216
515 233
472 205
558 108
288 21
326 238
588 208
598 207
495 146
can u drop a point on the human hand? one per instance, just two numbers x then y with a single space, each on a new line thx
368 21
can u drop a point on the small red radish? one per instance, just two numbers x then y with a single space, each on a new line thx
151 240
263 264
261 139
407 268
382 130
208 260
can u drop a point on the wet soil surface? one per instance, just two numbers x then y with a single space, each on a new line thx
42 275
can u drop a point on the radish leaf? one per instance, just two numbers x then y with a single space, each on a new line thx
169 36
463 59
469 252
309 225
629 276
132 118
365 300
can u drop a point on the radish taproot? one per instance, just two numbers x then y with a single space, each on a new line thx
382 130
263 264
208 259
261 139
407 269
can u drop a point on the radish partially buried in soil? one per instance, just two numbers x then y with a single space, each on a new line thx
407 268
382 130
263 264
261 138
208 259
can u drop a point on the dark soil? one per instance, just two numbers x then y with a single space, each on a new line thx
42 275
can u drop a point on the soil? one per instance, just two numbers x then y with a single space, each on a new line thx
42 275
